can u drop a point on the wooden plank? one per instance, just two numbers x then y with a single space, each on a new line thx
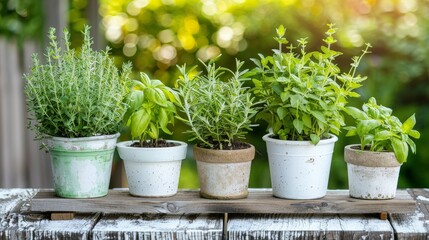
62 216
415 224
15 200
259 201
308 226
38 226
159 226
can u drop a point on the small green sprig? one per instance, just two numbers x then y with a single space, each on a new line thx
379 131
218 111
75 94
150 109
304 93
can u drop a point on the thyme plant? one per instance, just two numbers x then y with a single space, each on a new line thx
304 93
217 109
150 110
75 94
378 130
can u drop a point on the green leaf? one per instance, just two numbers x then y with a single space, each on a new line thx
145 79
353 94
415 134
401 150
367 140
281 112
383 135
351 131
299 125
153 131
314 139
135 100
139 122
411 144
319 116
356 113
408 125
163 121
306 120
365 126
281 30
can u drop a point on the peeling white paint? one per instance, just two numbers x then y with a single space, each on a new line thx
14 198
421 198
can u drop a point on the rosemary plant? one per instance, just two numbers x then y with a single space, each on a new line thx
75 94
218 111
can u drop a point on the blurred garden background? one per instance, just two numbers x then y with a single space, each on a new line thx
156 35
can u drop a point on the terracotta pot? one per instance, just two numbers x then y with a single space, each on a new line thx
224 174
372 175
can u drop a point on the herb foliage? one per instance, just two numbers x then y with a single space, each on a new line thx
217 109
75 94
379 130
150 109
304 93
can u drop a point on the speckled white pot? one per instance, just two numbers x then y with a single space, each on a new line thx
299 169
372 175
152 172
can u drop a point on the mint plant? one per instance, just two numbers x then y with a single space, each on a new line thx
75 93
304 93
379 131
150 110
217 109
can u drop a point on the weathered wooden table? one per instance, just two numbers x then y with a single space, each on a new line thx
29 214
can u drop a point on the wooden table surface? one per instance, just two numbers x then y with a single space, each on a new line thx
23 215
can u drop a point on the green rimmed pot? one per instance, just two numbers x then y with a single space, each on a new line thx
81 167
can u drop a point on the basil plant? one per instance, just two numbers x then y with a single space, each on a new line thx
151 108
378 130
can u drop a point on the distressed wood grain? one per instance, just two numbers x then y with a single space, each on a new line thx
415 224
15 200
258 201
308 226
39 226
159 226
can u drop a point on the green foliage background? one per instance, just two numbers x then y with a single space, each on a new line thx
156 35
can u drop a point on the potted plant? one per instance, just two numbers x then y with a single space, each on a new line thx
76 103
373 165
218 111
304 94
152 164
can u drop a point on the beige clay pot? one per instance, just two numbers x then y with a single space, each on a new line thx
372 175
224 174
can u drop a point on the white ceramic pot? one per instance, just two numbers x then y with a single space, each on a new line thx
299 169
372 175
152 172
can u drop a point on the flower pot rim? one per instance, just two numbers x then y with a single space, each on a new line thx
154 155
268 138
224 156
80 139
369 158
